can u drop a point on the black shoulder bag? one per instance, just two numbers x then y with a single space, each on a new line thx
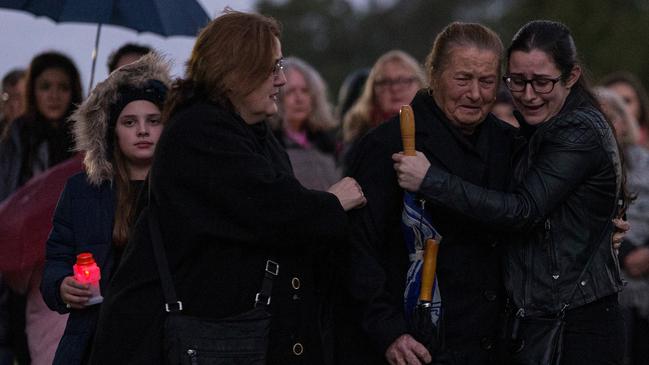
236 340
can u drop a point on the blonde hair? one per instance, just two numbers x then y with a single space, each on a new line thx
359 118
321 117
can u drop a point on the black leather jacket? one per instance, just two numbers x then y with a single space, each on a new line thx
558 216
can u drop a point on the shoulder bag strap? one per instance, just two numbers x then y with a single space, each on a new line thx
172 304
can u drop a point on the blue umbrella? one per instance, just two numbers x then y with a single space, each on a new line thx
163 17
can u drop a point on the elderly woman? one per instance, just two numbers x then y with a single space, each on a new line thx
304 125
568 187
456 131
393 81
227 202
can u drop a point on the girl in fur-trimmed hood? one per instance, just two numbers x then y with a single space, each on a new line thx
94 117
95 127
117 127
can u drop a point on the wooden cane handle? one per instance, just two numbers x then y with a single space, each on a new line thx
428 270
407 119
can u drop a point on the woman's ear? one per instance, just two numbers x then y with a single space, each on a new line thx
573 76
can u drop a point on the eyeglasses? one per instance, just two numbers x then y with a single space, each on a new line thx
7 96
541 85
400 81
279 66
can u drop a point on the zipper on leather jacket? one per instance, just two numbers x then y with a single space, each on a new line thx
518 317
554 265
193 356
552 256
527 262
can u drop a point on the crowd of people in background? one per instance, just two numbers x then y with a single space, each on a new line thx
286 175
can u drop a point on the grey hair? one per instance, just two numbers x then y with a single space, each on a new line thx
321 117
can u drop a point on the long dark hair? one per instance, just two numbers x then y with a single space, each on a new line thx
35 130
46 61
555 40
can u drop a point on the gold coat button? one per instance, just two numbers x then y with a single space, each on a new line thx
298 349
295 283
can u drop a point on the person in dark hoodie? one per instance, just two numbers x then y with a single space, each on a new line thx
118 128
227 202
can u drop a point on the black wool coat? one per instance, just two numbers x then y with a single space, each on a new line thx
227 201
468 266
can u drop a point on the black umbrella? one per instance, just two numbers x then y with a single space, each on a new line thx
422 297
423 324
163 17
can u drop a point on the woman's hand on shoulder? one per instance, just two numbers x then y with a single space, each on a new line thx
349 193
74 294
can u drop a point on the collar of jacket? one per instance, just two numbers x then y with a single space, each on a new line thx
434 132
260 131
577 98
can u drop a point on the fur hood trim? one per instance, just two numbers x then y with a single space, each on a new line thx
92 117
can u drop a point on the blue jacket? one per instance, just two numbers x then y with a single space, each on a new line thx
83 222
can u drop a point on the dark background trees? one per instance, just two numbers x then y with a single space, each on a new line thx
338 38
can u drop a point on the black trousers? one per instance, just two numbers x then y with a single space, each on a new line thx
594 334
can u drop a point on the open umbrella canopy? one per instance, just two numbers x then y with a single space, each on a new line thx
164 17
26 216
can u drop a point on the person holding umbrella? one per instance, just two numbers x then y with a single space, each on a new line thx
127 53
117 127
454 128
456 133
568 186
226 200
